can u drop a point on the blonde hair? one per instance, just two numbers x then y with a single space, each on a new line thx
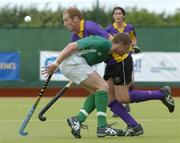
72 11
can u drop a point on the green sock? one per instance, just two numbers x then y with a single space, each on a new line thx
101 100
88 107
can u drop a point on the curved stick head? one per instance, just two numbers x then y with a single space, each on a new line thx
22 133
42 118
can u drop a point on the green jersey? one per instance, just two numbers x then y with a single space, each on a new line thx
94 49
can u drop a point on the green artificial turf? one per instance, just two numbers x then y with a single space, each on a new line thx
159 125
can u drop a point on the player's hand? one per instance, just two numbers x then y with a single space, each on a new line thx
136 49
49 69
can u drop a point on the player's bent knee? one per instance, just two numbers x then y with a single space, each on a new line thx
106 87
122 98
103 86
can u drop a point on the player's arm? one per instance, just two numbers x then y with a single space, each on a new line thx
70 48
108 30
135 48
66 52
96 29
132 35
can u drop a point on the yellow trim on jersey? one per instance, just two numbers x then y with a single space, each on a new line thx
80 34
132 36
118 58
120 30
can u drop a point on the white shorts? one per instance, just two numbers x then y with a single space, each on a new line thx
76 68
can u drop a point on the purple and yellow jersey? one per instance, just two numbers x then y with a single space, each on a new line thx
127 28
88 28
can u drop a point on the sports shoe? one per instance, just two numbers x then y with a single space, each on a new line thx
119 131
168 101
132 131
107 131
75 126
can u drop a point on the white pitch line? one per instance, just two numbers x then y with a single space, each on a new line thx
92 120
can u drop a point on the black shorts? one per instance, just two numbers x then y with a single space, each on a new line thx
121 73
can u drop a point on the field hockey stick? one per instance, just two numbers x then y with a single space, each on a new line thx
30 113
53 100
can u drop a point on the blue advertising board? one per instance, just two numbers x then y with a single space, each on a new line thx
9 65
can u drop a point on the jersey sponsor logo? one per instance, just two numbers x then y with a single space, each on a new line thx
117 80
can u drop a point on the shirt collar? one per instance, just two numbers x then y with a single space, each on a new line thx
120 30
80 33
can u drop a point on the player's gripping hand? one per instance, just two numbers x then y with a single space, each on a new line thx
136 49
48 70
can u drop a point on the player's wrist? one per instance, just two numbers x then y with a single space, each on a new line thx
134 46
56 63
136 49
